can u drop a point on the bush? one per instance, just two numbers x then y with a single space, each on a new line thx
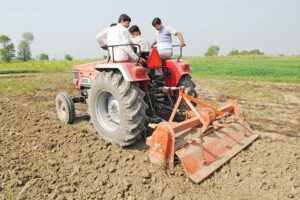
212 51
43 56
68 57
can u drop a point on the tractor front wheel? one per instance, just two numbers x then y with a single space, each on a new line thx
117 108
65 108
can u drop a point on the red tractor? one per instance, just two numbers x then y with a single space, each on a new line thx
123 97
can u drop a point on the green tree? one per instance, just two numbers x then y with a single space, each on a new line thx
43 56
233 52
4 39
24 52
244 53
256 52
212 51
68 57
7 52
28 37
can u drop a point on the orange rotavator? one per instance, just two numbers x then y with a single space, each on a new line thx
207 139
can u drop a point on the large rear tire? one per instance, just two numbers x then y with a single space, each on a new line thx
189 86
117 108
65 108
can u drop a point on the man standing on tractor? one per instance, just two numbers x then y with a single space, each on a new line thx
164 39
137 38
119 35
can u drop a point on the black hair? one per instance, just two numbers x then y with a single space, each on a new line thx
134 28
156 21
124 18
113 24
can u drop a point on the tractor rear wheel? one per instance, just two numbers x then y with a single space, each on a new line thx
189 86
117 108
65 108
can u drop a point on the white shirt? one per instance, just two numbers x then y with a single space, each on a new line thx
164 38
114 36
102 37
143 42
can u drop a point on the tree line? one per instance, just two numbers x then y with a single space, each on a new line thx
215 49
7 52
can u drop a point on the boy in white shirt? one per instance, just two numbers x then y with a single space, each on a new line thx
137 38
117 35
164 39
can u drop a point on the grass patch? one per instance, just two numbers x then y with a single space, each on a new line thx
10 195
38 66
262 68
15 86
282 69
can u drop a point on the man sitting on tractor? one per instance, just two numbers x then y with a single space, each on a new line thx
119 35
164 39
137 38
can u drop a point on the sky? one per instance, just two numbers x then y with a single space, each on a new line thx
70 26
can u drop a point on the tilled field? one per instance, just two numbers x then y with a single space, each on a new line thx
41 159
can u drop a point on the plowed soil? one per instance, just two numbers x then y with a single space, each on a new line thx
43 159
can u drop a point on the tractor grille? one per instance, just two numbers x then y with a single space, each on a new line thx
85 81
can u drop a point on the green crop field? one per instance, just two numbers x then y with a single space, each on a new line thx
38 66
283 69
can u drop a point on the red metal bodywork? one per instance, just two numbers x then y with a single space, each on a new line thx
177 69
85 70
134 72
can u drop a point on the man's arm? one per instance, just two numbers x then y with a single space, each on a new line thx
178 34
180 37
102 38
153 43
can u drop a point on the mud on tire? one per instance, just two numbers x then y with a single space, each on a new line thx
117 108
65 108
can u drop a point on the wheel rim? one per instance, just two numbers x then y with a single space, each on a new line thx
107 111
62 110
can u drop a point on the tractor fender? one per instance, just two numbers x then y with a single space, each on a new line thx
177 70
130 71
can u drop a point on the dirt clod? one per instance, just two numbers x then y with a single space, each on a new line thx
146 175
112 170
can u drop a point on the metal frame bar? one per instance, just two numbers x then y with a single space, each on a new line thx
120 45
